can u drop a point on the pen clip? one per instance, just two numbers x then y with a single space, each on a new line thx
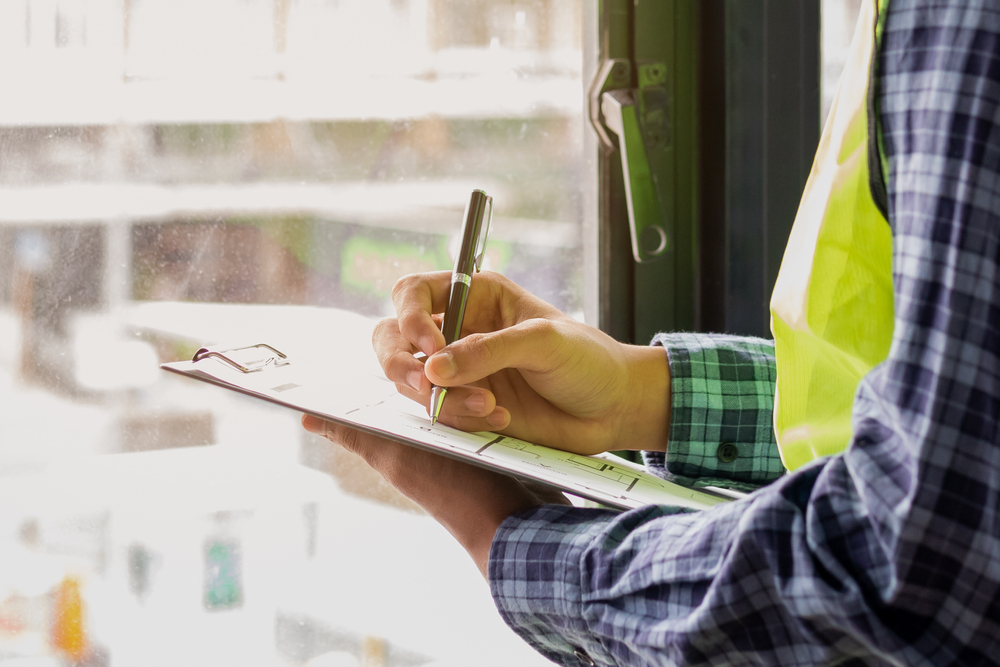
484 235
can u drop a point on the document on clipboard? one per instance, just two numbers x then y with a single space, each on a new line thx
373 405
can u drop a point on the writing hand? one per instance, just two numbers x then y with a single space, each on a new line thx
525 369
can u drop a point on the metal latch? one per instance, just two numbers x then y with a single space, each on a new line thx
615 107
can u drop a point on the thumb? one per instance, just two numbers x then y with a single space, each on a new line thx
533 345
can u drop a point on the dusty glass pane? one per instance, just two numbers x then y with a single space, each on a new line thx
175 173
839 20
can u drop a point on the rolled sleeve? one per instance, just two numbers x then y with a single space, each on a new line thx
721 421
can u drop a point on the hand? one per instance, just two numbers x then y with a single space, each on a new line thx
523 368
469 502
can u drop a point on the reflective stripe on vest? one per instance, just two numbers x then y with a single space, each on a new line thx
832 305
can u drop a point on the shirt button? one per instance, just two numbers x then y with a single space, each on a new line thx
727 452
583 657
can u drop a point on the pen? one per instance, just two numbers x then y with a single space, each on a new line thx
475 229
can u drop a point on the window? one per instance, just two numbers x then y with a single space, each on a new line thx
175 173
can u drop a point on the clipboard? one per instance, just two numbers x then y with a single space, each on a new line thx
372 404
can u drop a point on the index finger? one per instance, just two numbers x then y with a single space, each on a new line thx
416 298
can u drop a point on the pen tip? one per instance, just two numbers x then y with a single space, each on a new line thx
437 400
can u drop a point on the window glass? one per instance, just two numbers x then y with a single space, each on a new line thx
839 20
175 173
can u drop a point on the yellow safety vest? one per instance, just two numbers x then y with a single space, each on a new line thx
832 305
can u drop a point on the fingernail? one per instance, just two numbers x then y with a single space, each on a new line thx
497 419
446 368
427 345
312 424
415 379
476 403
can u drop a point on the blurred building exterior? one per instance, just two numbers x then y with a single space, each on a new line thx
173 172
279 151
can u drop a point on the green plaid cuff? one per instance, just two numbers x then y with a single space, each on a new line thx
722 405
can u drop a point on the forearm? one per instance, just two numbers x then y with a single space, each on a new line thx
638 587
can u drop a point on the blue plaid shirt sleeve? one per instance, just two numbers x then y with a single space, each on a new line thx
888 554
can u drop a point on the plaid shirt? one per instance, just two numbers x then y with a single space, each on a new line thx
888 554
722 406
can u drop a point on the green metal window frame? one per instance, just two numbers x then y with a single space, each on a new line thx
727 98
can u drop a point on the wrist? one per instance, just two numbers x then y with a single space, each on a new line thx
473 519
469 502
646 424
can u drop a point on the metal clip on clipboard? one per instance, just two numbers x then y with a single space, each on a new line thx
252 359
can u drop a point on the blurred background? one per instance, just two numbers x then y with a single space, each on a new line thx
175 173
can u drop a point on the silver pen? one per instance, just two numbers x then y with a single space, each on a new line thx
475 230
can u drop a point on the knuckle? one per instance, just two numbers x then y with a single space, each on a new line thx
543 330
347 438
485 348
548 336
397 366
404 284
387 325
